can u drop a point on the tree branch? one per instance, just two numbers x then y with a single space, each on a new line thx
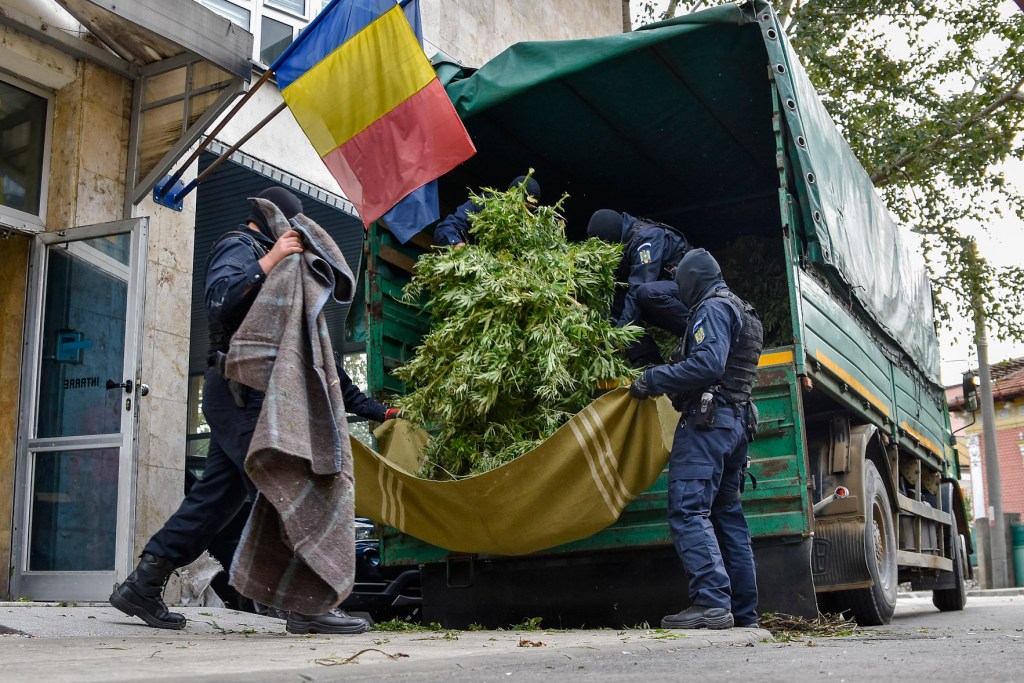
882 178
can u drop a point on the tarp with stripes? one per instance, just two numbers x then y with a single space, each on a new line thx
575 484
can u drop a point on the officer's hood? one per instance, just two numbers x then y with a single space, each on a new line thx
610 226
698 275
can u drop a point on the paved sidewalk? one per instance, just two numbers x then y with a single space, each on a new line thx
43 643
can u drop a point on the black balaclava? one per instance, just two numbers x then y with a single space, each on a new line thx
606 225
532 186
697 275
288 203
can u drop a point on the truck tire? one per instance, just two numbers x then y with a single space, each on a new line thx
954 599
874 606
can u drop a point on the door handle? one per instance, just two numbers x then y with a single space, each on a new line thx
127 385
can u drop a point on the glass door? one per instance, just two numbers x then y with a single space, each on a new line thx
80 386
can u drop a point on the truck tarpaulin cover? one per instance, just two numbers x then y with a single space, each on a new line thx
570 487
685 136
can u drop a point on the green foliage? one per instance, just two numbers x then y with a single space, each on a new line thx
521 335
768 292
529 624
930 96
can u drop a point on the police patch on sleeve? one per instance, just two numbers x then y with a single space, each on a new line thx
698 333
644 252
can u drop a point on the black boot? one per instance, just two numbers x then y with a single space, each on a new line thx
141 594
335 621
697 616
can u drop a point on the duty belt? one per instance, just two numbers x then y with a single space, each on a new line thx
239 392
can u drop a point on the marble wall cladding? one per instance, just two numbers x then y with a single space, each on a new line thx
165 366
161 423
99 198
166 329
89 150
62 191
13 267
474 31
161 491
172 246
168 298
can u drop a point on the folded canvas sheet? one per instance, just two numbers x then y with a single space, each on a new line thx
575 484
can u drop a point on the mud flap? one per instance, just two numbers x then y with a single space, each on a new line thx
794 595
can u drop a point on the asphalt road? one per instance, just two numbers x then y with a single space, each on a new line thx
44 644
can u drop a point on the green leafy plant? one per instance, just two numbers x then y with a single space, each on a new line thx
520 336
755 269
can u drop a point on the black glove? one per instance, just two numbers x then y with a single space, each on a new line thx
638 389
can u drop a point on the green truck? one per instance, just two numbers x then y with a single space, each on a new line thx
709 123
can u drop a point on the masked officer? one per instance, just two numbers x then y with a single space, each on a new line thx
648 261
237 267
711 387
453 230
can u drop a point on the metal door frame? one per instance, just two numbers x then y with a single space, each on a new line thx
78 585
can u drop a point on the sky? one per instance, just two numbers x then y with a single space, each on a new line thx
1002 245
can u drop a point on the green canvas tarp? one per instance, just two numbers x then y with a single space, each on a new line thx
674 122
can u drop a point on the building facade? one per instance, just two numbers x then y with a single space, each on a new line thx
102 338
1008 399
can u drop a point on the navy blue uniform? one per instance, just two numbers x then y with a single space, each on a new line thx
233 278
454 227
648 267
646 294
706 468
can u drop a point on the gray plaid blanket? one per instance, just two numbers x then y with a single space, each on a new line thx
297 551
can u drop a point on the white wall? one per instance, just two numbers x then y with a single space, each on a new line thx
474 31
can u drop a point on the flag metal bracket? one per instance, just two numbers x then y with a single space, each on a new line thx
169 192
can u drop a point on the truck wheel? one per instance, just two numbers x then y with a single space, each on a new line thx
874 606
953 599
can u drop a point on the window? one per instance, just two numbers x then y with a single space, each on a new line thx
273 23
237 14
197 432
294 6
275 37
24 145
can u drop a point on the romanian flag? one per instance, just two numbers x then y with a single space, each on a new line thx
360 86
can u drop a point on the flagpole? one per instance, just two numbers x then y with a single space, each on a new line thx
167 184
223 157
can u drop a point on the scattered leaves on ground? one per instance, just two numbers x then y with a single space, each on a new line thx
786 628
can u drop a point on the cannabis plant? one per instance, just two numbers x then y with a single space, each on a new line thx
520 339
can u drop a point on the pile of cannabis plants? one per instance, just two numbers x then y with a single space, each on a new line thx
520 337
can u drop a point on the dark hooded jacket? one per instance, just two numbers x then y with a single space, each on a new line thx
715 324
650 253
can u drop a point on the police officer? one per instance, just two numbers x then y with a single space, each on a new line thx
237 267
711 387
453 230
648 260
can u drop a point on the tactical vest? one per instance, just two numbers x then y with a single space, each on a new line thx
221 332
741 365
